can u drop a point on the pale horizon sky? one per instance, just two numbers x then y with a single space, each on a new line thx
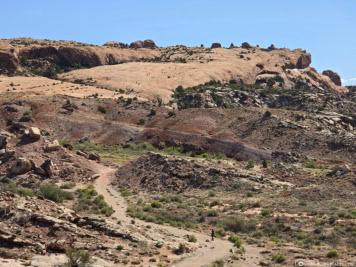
325 28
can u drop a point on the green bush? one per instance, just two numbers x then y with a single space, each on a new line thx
311 164
237 225
156 204
331 254
90 201
265 164
141 122
153 112
8 186
52 192
68 185
268 114
266 212
77 257
102 109
181 249
235 240
250 164
192 239
213 213
214 203
171 113
279 258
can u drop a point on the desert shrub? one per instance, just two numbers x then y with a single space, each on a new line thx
77 257
68 185
153 112
156 204
52 192
249 194
101 109
279 258
218 263
141 122
266 212
214 203
213 213
171 113
220 232
268 114
181 249
331 254
264 164
311 164
237 225
8 186
192 239
91 202
235 240
250 164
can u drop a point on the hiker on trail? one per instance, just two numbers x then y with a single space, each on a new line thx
212 234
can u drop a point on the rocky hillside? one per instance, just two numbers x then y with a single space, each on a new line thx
152 72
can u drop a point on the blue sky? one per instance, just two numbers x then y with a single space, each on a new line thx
325 28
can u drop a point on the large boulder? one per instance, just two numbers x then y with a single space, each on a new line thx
48 167
246 45
35 132
333 76
304 61
271 47
94 156
22 166
149 44
53 146
137 44
216 45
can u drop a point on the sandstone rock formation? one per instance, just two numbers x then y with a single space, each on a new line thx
48 167
53 146
116 44
136 44
216 45
333 76
271 47
246 45
149 44
8 62
94 156
304 61
35 132
21 166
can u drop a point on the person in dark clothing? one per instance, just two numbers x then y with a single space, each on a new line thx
212 234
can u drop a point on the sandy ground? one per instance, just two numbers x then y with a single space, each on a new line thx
32 86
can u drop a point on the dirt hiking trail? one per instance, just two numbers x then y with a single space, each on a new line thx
204 256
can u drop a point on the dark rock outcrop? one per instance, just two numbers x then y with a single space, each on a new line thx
333 76
246 45
137 44
116 44
216 45
149 44
304 61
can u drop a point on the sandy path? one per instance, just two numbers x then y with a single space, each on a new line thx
210 251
